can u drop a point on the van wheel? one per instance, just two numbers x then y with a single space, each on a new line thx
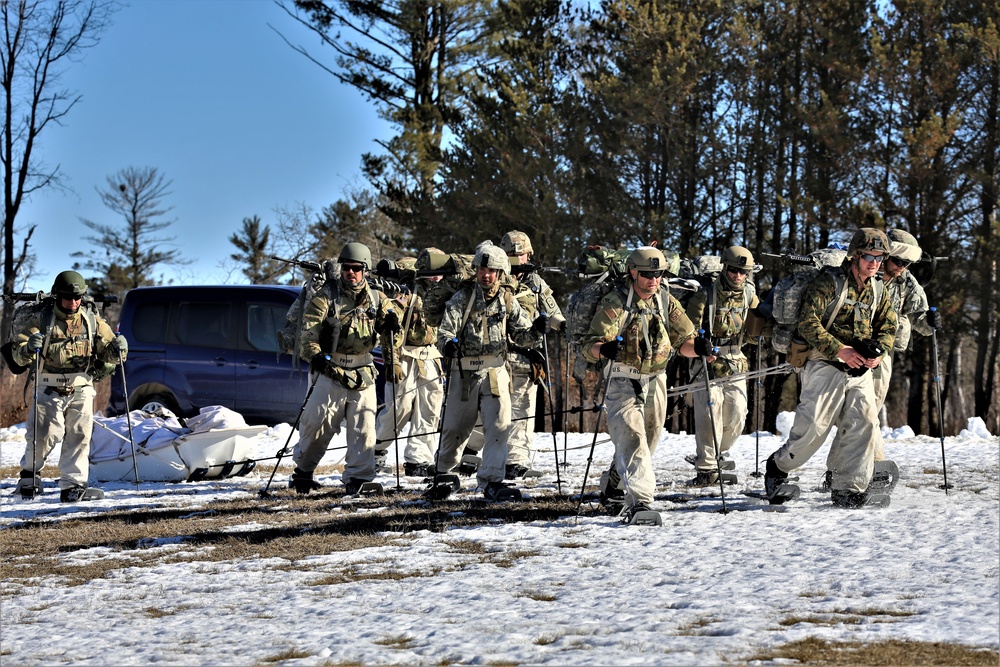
157 402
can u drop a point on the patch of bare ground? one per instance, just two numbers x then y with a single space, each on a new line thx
889 653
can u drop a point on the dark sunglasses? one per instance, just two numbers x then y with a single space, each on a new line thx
353 268
901 263
70 297
872 258
650 275
733 269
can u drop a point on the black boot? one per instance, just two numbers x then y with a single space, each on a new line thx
302 482
773 476
75 494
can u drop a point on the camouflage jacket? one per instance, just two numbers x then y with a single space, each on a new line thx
852 322
419 334
489 324
726 329
71 347
335 313
536 298
648 335
910 303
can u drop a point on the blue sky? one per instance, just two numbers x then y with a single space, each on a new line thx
210 95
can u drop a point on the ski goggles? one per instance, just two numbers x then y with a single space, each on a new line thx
650 275
872 258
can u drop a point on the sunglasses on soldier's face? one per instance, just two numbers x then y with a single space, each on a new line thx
741 272
651 275
901 263
353 268
872 258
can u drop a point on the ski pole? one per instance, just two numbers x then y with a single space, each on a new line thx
128 419
565 395
597 428
264 493
940 410
756 411
552 422
395 413
444 404
711 416
36 478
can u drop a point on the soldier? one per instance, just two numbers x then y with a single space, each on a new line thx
339 327
478 320
414 387
67 339
538 300
910 303
848 322
637 325
721 309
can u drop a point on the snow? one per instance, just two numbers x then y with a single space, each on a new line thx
705 588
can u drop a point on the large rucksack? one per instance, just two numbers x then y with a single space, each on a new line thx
41 307
602 270
288 336
700 273
784 301
457 270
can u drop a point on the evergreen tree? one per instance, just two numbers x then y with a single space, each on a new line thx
253 243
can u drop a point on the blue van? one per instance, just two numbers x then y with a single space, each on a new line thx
195 346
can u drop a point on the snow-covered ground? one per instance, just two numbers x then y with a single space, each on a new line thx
705 588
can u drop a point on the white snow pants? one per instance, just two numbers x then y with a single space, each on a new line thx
67 419
460 418
522 427
830 397
330 404
636 412
417 401
729 408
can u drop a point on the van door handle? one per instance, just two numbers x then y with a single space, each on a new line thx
219 361
253 364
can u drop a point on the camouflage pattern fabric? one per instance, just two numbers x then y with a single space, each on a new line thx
731 308
910 303
483 333
73 345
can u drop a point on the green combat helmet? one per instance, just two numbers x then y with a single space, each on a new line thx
358 253
738 257
903 245
432 259
647 258
868 238
69 284
516 243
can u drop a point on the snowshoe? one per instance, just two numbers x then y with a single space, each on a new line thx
442 485
516 471
885 476
780 495
706 478
777 490
724 464
640 515
418 469
370 489
469 464
76 494
501 493
29 485
858 499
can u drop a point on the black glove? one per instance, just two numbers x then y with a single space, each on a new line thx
390 323
702 346
541 324
451 349
868 348
562 327
320 363
35 341
535 357
119 345
611 349
934 318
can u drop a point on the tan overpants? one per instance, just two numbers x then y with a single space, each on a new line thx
417 401
636 412
460 418
66 419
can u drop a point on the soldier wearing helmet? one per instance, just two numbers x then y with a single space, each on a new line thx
720 309
636 327
848 322
414 382
339 329
478 322
910 303
65 339
535 295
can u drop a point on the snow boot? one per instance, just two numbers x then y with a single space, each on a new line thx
500 492
827 481
611 491
418 469
29 485
515 471
302 482
76 494
725 463
381 460
776 487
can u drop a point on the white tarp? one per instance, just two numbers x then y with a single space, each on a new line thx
214 443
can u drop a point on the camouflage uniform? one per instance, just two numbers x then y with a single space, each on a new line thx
536 297
346 390
65 407
729 400
910 303
829 395
479 381
636 396
414 387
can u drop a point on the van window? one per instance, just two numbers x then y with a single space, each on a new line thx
264 320
149 323
203 324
